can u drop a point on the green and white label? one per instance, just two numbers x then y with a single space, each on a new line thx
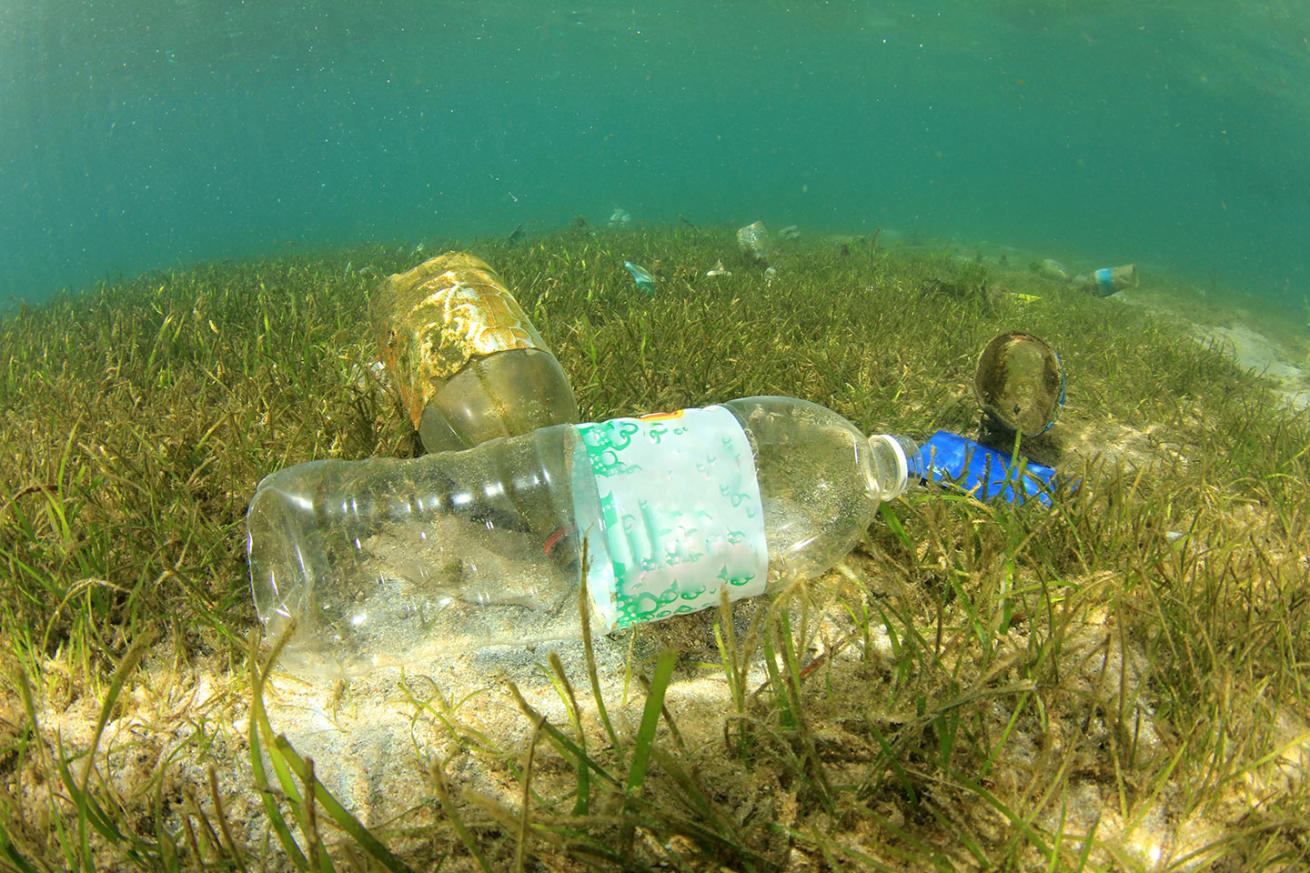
671 510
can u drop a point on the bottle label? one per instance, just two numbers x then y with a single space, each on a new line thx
670 507
1105 278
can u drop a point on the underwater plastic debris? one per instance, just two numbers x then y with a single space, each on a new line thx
717 270
1108 280
365 377
1019 383
770 274
385 561
791 231
464 357
1053 269
753 240
620 217
640 275
984 472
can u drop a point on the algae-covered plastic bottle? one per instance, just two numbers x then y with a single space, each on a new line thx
389 561
467 362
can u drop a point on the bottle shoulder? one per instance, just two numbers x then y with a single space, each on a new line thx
812 467
769 419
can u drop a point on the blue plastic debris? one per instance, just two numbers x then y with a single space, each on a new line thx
645 281
985 472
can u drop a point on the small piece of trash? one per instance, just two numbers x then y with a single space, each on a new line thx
718 270
753 240
372 374
645 281
769 275
1174 536
620 217
1053 269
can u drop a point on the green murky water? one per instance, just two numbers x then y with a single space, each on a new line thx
138 136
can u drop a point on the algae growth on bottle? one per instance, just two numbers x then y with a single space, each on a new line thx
386 561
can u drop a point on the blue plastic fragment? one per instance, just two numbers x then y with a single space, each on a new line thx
985 472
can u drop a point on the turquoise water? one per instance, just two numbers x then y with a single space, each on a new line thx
144 135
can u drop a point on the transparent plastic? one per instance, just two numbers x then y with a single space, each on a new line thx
389 561
505 394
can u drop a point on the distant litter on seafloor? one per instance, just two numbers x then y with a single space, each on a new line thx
640 275
753 240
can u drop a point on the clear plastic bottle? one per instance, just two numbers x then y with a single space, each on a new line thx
387 561
753 240
468 363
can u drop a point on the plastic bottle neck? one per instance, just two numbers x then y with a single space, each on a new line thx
894 466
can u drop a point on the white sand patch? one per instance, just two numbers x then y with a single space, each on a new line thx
1286 363
1116 444
1284 770
375 738
1253 350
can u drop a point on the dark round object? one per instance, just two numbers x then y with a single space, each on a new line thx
1020 383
